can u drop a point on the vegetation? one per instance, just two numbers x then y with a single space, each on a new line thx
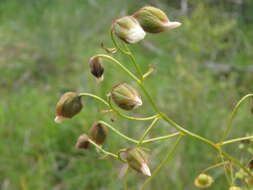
202 70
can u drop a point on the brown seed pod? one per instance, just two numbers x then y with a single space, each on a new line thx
98 133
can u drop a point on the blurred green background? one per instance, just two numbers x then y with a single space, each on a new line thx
202 70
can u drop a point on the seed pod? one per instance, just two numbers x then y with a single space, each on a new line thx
98 133
125 96
137 159
96 67
154 20
68 106
128 29
235 188
203 181
83 142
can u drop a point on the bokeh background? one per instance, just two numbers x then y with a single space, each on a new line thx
202 69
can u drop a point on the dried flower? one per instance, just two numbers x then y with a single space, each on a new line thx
203 181
125 96
96 67
137 159
98 133
154 20
83 142
128 29
235 188
68 106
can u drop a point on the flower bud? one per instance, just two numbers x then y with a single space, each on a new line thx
96 67
203 181
154 20
98 133
83 142
68 106
128 29
125 96
137 159
235 188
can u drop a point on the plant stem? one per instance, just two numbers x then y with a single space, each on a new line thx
148 130
95 97
129 117
232 116
165 160
120 65
236 140
161 138
104 151
214 166
119 133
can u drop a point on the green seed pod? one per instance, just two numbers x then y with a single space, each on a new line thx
128 29
125 96
203 181
83 142
137 159
96 67
154 20
68 106
98 133
235 188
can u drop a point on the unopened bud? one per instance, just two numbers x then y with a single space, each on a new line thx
137 159
98 133
203 181
125 96
235 188
83 142
68 106
96 67
154 20
128 29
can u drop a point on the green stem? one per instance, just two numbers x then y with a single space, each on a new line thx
165 160
115 43
104 151
232 116
119 133
148 130
132 58
214 166
120 65
95 97
129 117
161 138
236 140
125 179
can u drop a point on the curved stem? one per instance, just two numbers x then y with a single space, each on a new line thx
104 151
165 160
119 133
161 138
148 130
232 116
120 65
129 117
95 97
236 140
115 42
215 166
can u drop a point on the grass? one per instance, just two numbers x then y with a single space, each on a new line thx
44 49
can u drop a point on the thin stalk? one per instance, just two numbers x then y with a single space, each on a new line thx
119 133
120 65
104 151
161 138
162 164
129 117
236 140
95 97
115 43
225 169
232 116
148 130
214 166
125 179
